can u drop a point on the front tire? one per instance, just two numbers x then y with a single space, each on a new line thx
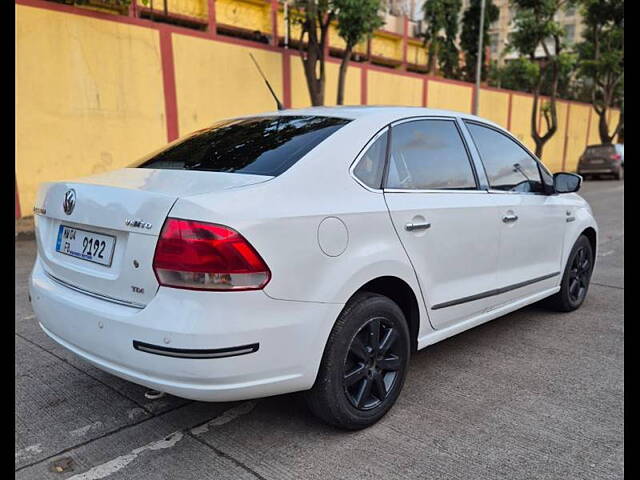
364 364
576 277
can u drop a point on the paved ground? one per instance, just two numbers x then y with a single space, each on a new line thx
531 395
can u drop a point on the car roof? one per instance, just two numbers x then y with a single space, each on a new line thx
389 113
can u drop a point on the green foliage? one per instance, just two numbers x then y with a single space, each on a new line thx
519 74
534 24
470 34
601 58
357 19
567 85
601 53
441 17
535 30
314 17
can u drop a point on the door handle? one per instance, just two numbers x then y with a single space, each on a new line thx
509 218
410 227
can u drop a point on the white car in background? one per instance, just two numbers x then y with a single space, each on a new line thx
310 249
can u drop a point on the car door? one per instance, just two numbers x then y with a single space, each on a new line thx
448 225
533 220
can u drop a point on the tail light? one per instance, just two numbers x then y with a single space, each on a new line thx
205 256
616 156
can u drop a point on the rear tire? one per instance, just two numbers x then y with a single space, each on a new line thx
619 175
364 364
576 278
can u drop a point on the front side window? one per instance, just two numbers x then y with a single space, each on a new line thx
429 155
371 165
509 167
257 145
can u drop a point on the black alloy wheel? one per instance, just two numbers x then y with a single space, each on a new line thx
372 365
576 277
579 274
364 364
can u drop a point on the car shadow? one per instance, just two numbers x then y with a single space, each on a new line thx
289 412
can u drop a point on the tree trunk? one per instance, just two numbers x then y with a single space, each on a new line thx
433 55
313 60
551 117
534 119
603 127
342 74
315 85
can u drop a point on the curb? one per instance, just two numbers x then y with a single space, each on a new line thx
25 229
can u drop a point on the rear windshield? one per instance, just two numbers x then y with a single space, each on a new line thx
258 145
598 150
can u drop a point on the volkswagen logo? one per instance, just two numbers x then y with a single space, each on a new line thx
69 201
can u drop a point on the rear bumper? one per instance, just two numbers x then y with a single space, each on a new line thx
598 169
290 338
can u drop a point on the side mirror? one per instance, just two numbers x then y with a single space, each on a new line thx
566 182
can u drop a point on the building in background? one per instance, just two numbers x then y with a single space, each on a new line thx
97 88
570 19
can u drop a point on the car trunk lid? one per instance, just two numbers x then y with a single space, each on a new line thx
123 210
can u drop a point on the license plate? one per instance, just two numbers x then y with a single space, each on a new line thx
91 246
596 161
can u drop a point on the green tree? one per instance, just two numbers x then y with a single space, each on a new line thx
537 31
601 60
470 33
314 17
519 74
357 20
441 17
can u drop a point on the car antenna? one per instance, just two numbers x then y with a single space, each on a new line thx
273 94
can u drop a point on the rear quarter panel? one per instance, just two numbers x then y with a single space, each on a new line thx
280 218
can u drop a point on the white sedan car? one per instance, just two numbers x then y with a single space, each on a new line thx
310 249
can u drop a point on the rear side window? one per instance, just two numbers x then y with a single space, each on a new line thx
258 146
508 165
600 151
429 155
371 165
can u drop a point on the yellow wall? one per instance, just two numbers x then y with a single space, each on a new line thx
449 96
248 14
494 106
416 54
614 118
89 97
336 41
300 93
387 46
389 89
553 151
189 8
216 80
521 106
576 135
294 27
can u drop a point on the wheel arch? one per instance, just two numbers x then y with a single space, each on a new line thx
403 295
591 234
